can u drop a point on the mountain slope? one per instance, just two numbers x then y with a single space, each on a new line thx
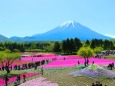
3 38
70 29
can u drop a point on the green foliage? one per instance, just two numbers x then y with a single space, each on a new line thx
86 52
56 47
1 48
64 46
98 50
108 45
7 51
68 46
87 42
2 55
96 43
16 50
12 56
105 44
8 58
32 45
77 43
85 45
11 46
49 48
71 45
109 56
12 73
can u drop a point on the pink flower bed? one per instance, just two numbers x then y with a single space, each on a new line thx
36 58
12 79
50 57
69 61
74 62
28 59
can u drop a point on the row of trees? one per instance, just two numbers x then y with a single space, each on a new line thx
21 47
67 46
105 44
72 45
13 47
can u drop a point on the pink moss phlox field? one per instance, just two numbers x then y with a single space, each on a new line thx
12 79
74 62
56 61
70 60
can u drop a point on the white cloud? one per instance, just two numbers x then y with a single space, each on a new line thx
112 36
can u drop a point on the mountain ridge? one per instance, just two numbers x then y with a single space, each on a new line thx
4 39
69 29
72 29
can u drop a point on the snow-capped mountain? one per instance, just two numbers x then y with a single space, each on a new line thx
70 29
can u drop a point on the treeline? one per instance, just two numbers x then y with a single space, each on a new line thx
13 47
22 47
68 46
105 44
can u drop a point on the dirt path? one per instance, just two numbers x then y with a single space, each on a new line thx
41 81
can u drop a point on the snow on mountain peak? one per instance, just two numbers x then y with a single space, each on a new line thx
66 24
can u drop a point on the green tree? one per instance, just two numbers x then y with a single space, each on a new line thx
68 46
86 52
1 48
7 51
93 45
32 46
8 59
16 50
77 44
98 50
64 48
108 45
87 42
72 46
57 47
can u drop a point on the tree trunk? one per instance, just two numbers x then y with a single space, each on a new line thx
85 62
7 69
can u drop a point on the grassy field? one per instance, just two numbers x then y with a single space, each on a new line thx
12 73
63 77
109 57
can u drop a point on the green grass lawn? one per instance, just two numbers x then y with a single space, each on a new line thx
63 78
11 74
109 57
15 72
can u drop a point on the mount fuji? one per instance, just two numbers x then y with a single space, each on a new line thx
70 29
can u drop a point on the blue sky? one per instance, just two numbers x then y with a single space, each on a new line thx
28 17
